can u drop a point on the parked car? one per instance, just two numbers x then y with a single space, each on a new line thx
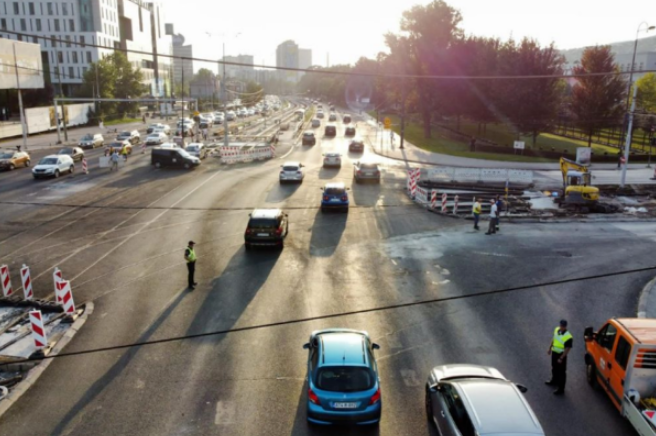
172 157
75 152
266 227
119 146
332 117
332 160
316 123
284 126
346 119
356 146
330 131
10 160
92 140
335 196
342 377
477 400
197 149
320 115
132 137
349 131
291 172
308 138
218 118
53 166
366 171
156 138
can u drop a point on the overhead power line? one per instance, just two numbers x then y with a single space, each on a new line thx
344 314
337 73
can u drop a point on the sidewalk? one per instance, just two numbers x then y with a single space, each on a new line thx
603 173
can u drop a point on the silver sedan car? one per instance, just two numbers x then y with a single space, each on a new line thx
363 171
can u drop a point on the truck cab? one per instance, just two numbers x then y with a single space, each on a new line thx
621 358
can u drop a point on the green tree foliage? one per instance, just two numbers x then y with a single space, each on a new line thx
253 94
597 102
647 93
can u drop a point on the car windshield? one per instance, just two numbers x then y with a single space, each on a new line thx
193 148
369 166
87 138
335 191
263 223
124 134
344 378
66 151
290 168
48 161
6 155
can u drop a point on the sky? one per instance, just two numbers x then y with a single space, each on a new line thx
345 30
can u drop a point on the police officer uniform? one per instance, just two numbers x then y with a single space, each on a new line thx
561 345
190 257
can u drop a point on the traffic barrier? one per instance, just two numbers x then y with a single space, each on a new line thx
413 178
38 330
442 174
433 199
234 154
444 202
66 294
85 169
455 205
6 281
422 195
27 282
56 278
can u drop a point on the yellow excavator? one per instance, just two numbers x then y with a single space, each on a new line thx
578 191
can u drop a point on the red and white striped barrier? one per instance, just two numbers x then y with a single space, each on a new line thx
455 205
56 278
6 281
413 179
273 150
38 330
85 168
27 282
433 199
234 154
66 294
444 202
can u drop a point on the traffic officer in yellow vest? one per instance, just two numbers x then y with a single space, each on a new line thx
190 257
560 346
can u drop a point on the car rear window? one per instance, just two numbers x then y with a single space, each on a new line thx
290 168
344 378
334 191
308 135
66 151
369 166
263 223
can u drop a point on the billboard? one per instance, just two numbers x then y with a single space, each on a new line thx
28 59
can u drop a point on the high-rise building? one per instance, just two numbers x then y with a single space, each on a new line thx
241 72
133 24
304 58
182 69
289 55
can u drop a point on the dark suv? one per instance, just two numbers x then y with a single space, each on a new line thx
266 227
309 139
349 131
330 131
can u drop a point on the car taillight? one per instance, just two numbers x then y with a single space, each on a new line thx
359 172
344 198
375 398
279 231
313 397
325 197
249 231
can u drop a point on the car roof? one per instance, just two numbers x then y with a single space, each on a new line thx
266 213
55 156
332 154
497 407
308 132
642 329
465 371
341 348
336 185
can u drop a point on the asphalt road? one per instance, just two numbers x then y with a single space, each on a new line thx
123 249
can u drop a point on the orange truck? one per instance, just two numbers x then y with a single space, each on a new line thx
621 358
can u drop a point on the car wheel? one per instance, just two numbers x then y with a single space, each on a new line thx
28 163
429 406
591 375
11 167
56 174
323 210
158 165
71 169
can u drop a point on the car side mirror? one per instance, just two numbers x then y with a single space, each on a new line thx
523 389
321 189
433 388
588 334
375 346
306 346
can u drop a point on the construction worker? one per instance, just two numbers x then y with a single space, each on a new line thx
114 159
560 346
476 211
492 227
190 257
124 152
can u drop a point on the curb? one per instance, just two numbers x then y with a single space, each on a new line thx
646 292
35 373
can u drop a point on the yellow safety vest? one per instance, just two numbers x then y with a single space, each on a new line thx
558 344
192 255
477 208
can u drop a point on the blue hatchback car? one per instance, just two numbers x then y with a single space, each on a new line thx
335 196
343 384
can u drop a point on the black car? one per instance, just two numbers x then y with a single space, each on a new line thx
350 131
346 119
173 157
356 146
330 131
75 152
266 227
309 138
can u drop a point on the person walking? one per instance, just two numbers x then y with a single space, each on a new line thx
560 346
492 227
476 211
619 159
114 159
190 257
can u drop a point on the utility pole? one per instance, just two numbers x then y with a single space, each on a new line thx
627 146
225 103
61 91
20 102
403 98
182 124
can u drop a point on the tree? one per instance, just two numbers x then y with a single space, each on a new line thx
647 93
598 101
253 94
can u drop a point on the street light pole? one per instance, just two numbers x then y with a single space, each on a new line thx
225 102
627 146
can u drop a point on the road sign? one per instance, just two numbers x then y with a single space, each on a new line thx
388 122
518 145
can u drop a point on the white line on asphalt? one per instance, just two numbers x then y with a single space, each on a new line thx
225 413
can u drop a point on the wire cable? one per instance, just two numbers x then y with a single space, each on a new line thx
340 314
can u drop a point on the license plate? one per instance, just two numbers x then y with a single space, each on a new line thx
262 234
334 200
345 405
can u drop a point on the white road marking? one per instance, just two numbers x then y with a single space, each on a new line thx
394 262
410 378
225 413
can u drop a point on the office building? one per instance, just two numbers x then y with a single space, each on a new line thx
238 71
182 69
304 58
132 24
289 55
